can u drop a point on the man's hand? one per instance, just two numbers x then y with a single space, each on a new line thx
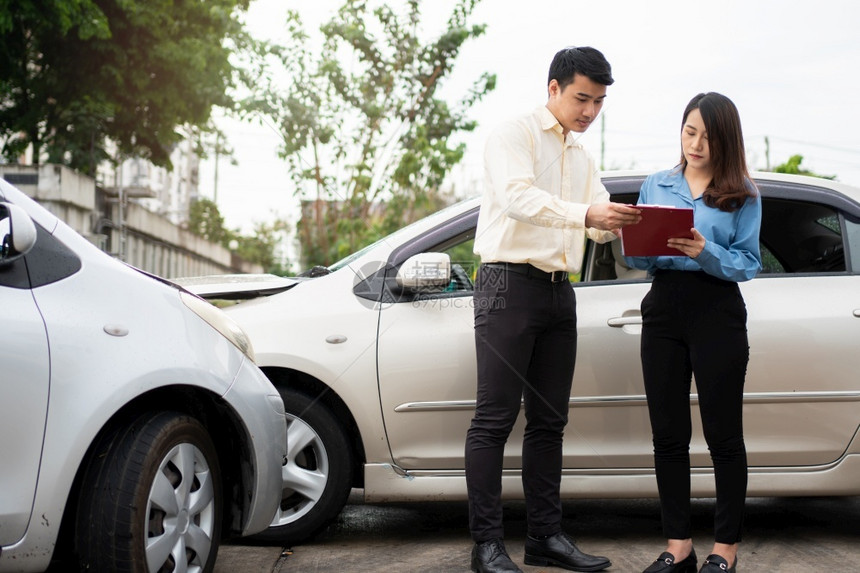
611 216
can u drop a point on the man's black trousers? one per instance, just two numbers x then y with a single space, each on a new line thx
525 339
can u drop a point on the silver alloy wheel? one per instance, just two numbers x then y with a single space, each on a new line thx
181 512
306 473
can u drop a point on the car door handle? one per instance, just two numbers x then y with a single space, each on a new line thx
857 312
620 321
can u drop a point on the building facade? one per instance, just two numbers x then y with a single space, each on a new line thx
115 219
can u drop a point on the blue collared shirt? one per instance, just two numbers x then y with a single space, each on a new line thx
732 249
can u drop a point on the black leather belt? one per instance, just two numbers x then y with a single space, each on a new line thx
531 271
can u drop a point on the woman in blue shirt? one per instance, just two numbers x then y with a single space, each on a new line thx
694 323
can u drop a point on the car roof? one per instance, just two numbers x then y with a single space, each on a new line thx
629 181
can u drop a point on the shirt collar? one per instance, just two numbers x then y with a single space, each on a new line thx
548 122
547 119
673 179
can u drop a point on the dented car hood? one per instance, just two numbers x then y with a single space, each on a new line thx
236 287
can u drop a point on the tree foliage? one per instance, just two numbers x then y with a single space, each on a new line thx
793 166
261 246
367 135
205 220
82 77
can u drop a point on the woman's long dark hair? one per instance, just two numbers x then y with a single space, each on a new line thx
730 187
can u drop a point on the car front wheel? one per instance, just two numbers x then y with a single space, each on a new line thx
151 499
318 474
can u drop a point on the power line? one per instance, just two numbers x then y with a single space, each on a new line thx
808 143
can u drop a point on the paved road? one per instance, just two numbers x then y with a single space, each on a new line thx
786 535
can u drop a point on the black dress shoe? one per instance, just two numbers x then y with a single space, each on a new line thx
666 564
716 564
559 550
492 557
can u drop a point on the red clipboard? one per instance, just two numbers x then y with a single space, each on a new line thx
659 223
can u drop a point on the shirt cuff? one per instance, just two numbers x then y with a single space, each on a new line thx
576 214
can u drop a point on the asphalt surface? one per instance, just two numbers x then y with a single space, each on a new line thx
786 535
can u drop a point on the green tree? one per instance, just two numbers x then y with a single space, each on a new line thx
366 133
205 220
260 247
78 74
793 166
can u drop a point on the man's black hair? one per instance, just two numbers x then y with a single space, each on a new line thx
585 61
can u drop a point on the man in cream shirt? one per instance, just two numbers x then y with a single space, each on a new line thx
542 197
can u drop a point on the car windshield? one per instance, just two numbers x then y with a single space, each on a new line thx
349 258
393 238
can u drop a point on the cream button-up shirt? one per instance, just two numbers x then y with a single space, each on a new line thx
538 186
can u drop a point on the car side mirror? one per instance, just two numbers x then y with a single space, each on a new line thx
425 272
17 233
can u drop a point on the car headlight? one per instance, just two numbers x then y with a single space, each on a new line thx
220 322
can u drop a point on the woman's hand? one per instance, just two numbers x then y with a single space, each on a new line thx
690 247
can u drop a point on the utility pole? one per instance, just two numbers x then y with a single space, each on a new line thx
602 139
122 204
767 152
217 156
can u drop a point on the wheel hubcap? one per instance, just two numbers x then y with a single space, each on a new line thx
181 512
306 473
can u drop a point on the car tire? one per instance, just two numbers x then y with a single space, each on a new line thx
152 493
318 475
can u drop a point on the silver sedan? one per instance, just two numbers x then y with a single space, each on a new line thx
375 360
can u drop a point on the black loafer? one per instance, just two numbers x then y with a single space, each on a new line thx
561 551
666 564
716 564
492 557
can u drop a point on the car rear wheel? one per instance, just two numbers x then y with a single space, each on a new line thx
151 499
318 474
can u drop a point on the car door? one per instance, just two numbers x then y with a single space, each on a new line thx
24 363
801 394
426 366
608 425
802 391
426 361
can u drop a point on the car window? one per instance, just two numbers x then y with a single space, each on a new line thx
5 234
464 263
800 237
769 263
603 261
852 231
796 237
12 273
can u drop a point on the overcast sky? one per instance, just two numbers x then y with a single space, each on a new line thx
791 68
